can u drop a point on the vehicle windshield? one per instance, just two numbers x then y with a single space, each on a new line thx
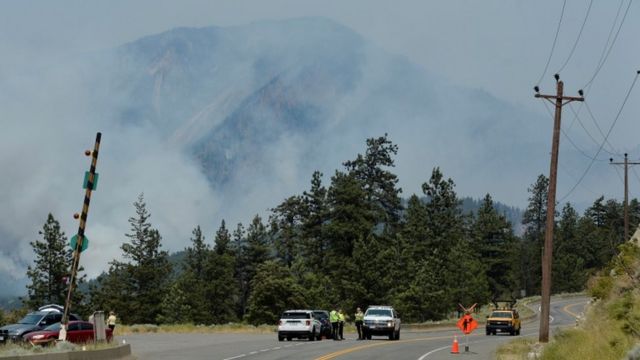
296 315
501 314
53 327
321 314
378 312
31 319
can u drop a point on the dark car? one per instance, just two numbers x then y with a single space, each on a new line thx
78 332
323 317
35 321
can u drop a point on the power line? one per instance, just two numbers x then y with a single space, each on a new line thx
606 51
589 134
584 153
593 118
615 120
555 40
575 44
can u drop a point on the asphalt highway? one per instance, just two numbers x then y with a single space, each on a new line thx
414 345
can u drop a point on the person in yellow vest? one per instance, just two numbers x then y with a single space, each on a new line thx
341 319
334 319
359 317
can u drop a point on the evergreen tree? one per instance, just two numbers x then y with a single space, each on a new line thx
496 244
192 281
444 217
222 291
378 183
274 291
286 223
568 271
314 216
50 272
534 220
135 288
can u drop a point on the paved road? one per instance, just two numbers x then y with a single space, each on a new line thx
415 345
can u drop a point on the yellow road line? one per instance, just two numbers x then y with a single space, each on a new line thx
333 355
566 308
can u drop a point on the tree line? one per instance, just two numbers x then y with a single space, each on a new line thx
352 242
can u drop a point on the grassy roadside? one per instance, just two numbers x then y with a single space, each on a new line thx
611 326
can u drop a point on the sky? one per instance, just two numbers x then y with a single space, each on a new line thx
501 47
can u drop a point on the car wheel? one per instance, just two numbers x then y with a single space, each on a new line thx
392 335
312 336
398 335
319 336
288 338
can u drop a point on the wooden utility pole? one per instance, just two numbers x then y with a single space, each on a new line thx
81 241
626 164
547 255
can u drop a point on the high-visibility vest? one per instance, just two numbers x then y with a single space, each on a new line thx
359 316
341 316
333 316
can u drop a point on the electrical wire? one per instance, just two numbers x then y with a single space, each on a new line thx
612 152
606 51
582 152
555 40
635 173
575 44
613 124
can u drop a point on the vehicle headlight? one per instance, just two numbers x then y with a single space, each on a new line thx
38 337
390 323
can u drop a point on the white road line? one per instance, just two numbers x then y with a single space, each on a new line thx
236 357
263 350
276 348
432 352
253 353
288 346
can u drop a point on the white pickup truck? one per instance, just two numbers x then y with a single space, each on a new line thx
381 320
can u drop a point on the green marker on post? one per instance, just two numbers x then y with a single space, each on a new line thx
73 243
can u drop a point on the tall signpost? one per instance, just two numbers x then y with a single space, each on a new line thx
558 100
80 242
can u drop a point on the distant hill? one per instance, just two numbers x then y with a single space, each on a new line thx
513 214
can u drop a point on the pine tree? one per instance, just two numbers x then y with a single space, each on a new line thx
50 272
315 215
286 223
496 244
135 289
192 281
274 290
444 217
569 273
378 183
222 291
534 220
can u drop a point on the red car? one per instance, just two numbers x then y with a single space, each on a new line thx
78 332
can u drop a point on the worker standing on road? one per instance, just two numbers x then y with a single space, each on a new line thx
359 317
341 319
111 320
334 319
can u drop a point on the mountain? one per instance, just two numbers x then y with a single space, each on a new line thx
276 94
225 122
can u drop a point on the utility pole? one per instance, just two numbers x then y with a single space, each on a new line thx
626 164
81 241
547 255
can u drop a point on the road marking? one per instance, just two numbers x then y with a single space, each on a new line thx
236 357
432 352
276 348
263 350
333 355
253 353
566 308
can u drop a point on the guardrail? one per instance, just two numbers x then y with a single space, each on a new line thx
121 352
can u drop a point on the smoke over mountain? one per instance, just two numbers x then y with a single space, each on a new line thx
214 123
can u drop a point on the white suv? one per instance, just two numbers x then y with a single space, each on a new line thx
381 320
299 324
